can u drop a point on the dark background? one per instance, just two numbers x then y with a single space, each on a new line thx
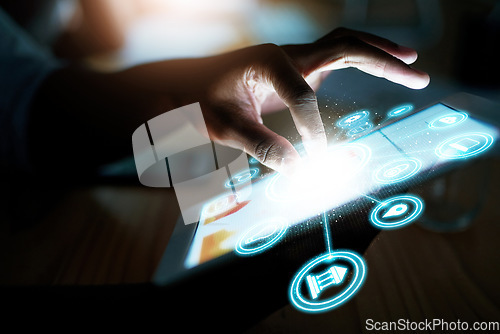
108 233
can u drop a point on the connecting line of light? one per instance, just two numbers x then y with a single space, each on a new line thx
373 199
328 239
327 233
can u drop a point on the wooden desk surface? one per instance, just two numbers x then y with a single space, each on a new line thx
117 234
92 235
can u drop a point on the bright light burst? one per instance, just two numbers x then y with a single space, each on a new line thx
321 179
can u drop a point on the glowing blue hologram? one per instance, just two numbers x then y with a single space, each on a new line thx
241 177
400 110
396 212
465 145
219 205
397 170
261 237
359 129
448 120
334 275
253 161
354 118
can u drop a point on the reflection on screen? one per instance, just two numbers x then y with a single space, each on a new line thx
397 153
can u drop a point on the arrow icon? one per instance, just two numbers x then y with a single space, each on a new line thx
332 276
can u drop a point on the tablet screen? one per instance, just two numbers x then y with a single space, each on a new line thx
401 152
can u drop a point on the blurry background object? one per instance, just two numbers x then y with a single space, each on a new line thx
454 201
454 38
477 60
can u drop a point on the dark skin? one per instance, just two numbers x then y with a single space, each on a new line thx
92 115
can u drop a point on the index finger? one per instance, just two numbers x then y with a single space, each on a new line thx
266 146
299 97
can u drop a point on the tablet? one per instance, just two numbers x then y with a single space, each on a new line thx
408 147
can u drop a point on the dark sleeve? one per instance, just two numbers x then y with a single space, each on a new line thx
23 66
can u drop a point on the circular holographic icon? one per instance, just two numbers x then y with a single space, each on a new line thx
324 272
353 119
400 110
448 120
359 129
397 170
219 205
396 212
241 177
261 237
465 145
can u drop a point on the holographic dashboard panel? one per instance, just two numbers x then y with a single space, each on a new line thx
400 152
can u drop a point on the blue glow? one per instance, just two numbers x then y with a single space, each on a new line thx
356 118
448 120
400 110
395 207
242 177
397 170
304 275
253 161
261 237
465 145
327 232
359 129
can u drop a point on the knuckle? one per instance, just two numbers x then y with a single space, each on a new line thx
380 67
264 150
273 56
270 51
301 99
270 47
349 42
335 33
302 96
348 47
262 54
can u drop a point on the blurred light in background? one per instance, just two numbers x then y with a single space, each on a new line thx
186 28
165 29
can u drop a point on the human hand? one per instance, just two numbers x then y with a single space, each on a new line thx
234 89
268 77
